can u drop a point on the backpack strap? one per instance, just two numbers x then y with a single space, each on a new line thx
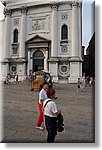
46 103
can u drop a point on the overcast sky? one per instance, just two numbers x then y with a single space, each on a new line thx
87 20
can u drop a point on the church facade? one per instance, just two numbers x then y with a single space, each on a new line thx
42 35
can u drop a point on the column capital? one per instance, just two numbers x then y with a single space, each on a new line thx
74 4
7 12
55 6
29 49
24 9
80 4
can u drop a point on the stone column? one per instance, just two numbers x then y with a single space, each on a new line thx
29 62
23 31
46 61
76 61
75 30
7 33
2 31
54 31
80 28
53 61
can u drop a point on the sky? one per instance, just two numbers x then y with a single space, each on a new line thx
87 21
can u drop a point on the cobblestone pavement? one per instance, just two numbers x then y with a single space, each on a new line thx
21 112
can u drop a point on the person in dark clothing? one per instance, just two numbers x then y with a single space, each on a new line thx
51 127
51 112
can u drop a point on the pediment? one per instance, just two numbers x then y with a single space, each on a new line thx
37 39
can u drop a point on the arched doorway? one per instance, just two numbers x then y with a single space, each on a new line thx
38 61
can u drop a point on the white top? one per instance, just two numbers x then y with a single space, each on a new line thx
50 109
42 95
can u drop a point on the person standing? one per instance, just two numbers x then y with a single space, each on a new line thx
83 83
51 112
42 98
78 84
16 78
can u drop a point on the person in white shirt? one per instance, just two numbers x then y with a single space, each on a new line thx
51 111
42 98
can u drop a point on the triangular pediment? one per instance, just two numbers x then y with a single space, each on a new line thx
37 39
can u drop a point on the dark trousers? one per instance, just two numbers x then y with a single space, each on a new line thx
51 127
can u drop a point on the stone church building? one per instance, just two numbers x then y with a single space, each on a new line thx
42 35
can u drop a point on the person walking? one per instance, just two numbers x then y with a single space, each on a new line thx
51 112
42 98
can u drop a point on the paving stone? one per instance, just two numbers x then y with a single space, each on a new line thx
20 113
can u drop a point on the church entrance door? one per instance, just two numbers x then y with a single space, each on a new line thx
38 61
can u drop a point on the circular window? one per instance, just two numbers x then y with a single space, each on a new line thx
64 69
13 69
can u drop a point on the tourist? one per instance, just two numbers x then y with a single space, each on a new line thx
7 80
42 97
51 112
83 83
78 85
16 78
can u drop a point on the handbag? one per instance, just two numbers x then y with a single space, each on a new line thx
60 124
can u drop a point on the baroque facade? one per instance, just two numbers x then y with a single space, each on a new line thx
42 36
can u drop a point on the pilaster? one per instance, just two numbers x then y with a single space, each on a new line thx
54 31
29 62
75 30
46 61
76 60
80 28
7 34
23 31
2 31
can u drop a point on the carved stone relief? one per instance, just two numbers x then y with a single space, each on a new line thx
64 16
16 21
64 49
64 69
38 24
